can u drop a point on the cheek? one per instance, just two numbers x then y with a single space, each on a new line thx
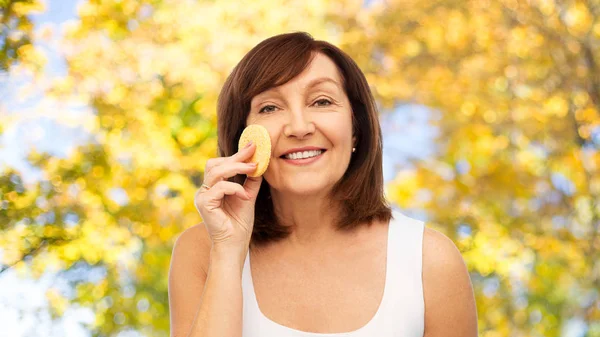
338 133
272 129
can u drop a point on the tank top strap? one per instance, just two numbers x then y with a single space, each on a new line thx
406 306
250 310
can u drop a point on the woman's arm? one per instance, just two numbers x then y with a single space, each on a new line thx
205 291
450 309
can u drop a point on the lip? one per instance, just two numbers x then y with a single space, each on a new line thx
302 149
301 162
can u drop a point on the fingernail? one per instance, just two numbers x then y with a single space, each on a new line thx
248 145
252 164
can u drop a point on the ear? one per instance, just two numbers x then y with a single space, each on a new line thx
354 141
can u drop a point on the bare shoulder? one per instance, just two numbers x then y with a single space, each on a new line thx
450 308
193 246
187 276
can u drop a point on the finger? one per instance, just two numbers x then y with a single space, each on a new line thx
224 172
211 199
252 185
213 162
244 153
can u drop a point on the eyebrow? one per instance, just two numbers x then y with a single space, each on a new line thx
313 83
320 80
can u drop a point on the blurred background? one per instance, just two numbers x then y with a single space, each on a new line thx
490 111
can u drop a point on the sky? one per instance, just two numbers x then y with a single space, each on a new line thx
23 305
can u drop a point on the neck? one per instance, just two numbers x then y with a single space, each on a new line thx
312 219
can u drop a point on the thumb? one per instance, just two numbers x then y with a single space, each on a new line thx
252 186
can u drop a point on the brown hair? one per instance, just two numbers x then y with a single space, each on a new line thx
274 62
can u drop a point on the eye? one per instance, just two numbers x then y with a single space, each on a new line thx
322 102
267 108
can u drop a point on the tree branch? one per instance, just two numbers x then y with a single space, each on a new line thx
594 84
32 252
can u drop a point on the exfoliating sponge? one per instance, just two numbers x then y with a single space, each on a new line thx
259 135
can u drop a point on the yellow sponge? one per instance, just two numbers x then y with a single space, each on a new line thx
259 135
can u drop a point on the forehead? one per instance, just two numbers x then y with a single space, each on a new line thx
320 67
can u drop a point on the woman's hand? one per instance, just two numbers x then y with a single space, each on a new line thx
227 208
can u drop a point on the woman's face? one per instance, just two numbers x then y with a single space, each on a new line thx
313 110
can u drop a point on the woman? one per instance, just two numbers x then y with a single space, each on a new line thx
314 250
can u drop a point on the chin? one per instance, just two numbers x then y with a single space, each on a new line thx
301 187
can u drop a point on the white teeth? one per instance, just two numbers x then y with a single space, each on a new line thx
303 155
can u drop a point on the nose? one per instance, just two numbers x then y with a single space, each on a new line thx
299 125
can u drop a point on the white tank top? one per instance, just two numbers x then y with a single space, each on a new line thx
401 311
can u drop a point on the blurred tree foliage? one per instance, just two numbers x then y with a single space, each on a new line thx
15 31
516 182
516 91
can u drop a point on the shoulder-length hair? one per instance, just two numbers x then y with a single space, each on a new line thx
359 194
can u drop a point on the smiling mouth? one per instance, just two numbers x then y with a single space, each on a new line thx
320 154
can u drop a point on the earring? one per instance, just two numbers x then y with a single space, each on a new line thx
353 149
